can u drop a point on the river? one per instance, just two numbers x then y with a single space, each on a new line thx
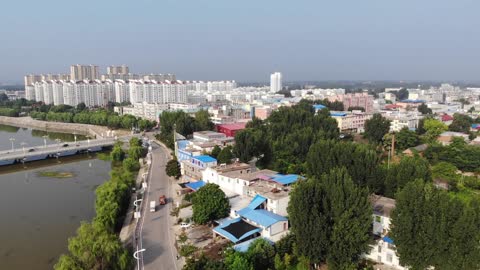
39 213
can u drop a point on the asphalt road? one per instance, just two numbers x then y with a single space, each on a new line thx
157 233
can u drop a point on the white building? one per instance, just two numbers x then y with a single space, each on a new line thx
84 72
122 92
157 92
30 92
383 250
275 82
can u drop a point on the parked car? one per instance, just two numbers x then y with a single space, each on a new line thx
185 225
152 206
65 145
31 150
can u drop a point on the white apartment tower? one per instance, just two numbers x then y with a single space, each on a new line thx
275 82
82 72
118 70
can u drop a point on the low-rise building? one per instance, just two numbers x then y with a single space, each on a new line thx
193 168
351 121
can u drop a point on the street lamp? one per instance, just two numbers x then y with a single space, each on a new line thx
12 140
23 146
45 140
75 137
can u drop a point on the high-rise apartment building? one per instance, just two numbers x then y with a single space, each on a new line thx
160 77
83 72
275 82
116 70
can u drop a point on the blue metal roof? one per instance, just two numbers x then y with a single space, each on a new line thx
263 217
205 158
256 202
285 179
413 101
338 114
243 247
388 239
220 230
195 185
318 106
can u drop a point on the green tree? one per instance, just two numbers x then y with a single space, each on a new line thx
433 128
81 106
423 109
426 220
331 219
376 127
360 160
225 156
405 139
173 169
445 171
131 164
202 119
117 153
409 169
461 123
215 151
94 248
261 254
209 203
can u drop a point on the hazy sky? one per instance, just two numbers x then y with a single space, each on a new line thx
245 40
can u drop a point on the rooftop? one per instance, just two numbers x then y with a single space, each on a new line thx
269 189
224 168
195 185
248 176
205 158
262 217
382 205
233 126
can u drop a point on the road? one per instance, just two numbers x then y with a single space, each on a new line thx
157 233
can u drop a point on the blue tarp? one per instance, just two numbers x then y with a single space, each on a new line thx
195 185
338 114
285 179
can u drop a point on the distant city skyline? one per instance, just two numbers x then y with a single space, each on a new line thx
246 40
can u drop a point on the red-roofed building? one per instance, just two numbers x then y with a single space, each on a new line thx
230 129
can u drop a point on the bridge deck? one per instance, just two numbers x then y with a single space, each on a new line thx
25 152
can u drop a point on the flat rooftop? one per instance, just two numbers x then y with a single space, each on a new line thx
232 167
269 189
382 205
248 176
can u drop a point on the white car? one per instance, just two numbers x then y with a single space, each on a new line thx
185 225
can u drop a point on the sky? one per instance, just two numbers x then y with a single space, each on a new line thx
245 40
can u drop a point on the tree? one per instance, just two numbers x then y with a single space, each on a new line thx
254 123
471 110
460 123
215 151
209 203
423 109
360 160
261 254
173 169
401 94
433 128
94 248
445 171
405 139
3 97
376 127
131 164
331 219
81 106
409 169
203 263
117 153
202 118
426 220
225 156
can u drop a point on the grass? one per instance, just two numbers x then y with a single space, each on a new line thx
56 174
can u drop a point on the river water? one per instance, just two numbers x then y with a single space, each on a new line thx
38 214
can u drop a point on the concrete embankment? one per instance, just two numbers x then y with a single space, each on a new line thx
81 129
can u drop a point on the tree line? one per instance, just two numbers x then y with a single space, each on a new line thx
96 245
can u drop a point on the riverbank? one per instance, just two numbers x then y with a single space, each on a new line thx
81 129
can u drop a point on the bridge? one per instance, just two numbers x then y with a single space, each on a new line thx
62 149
